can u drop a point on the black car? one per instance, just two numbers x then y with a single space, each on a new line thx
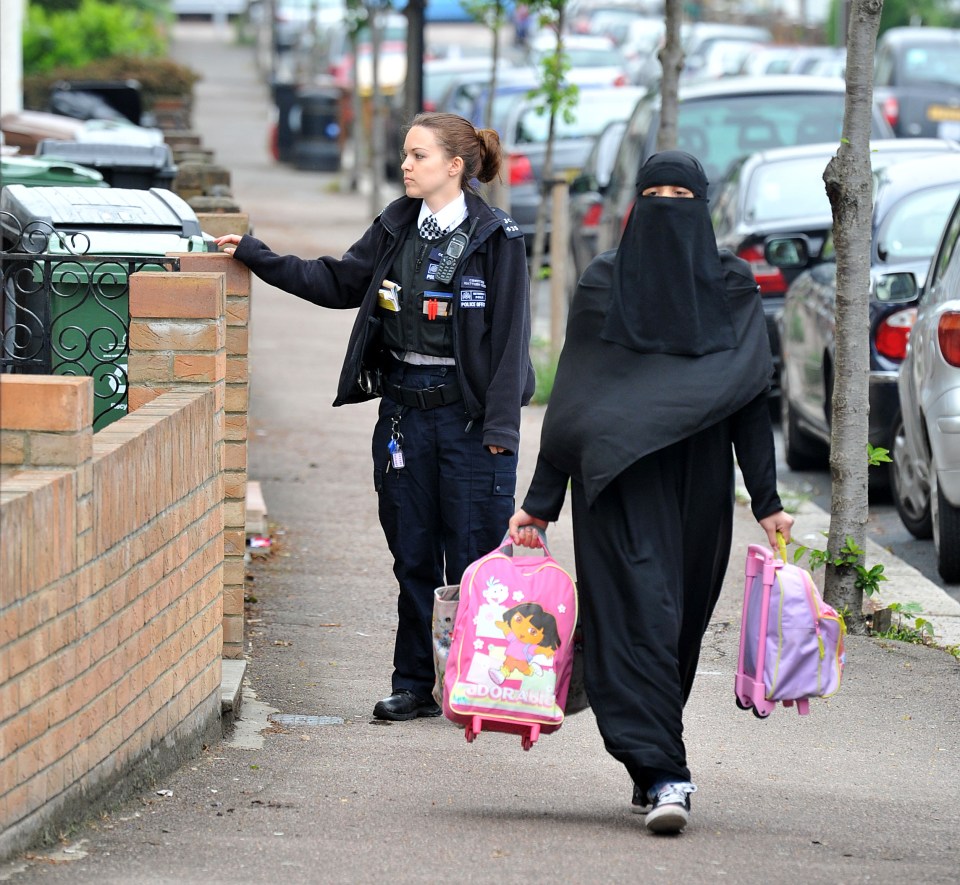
917 81
912 200
779 193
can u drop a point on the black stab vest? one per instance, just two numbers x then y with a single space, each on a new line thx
424 322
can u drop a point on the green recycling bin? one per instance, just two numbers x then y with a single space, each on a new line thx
67 310
38 171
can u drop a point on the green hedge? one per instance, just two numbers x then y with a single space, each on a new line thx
95 30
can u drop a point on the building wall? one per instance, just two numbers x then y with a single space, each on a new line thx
11 55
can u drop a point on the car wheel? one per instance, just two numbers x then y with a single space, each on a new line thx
801 451
910 486
946 533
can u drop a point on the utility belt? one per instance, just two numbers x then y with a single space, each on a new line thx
422 397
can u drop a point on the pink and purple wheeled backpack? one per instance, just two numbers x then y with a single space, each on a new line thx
511 654
791 641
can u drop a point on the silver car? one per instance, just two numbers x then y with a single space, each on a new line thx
926 449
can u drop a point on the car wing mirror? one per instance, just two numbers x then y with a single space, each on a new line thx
787 252
897 288
583 184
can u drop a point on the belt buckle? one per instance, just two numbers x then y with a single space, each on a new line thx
422 394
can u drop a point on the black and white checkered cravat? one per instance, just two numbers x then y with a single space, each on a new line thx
430 230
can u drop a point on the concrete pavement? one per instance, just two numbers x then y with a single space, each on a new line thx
310 789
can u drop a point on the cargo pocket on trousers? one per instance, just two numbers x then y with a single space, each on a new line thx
505 483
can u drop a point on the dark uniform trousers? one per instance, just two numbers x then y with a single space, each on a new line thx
448 506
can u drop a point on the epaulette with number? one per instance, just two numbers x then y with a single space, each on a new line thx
510 227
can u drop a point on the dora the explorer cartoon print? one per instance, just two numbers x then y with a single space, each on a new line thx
530 631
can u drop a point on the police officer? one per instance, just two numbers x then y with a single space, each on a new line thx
442 336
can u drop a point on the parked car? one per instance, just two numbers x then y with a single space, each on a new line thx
697 38
780 193
592 59
926 448
586 201
912 200
722 58
463 91
640 47
438 75
807 57
777 59
723 121
524 137
917 81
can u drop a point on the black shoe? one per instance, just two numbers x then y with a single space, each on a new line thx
403 705
671 807
640 804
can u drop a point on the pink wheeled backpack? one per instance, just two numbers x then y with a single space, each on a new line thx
511 653
791 641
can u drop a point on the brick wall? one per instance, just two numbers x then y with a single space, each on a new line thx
112 566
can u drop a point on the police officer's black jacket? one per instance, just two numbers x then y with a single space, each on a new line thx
491 307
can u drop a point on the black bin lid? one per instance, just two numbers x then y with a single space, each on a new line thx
109 155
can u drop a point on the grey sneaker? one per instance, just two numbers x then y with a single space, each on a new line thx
671 807
640 804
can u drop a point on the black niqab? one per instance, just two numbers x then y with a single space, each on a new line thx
669 294
618 396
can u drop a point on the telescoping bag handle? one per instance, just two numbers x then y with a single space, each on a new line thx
782 546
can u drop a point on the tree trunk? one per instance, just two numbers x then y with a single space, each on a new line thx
671 61
540 231
377 137
848 181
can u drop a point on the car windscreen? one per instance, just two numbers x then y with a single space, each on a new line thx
590 115
936 64
911 229
720 130
794 188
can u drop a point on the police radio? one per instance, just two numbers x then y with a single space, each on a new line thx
453 253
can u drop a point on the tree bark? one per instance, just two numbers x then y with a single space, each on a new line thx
848 182
671 62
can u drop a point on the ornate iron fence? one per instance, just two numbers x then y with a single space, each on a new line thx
67 312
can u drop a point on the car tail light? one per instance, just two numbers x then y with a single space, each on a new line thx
890 108
892 334
769 278
621 80
521 172
948 334
591 218
429 105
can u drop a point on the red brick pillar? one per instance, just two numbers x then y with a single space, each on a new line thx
178 341
236 404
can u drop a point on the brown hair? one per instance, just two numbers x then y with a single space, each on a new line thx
479 149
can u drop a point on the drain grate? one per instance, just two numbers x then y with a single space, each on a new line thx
294 720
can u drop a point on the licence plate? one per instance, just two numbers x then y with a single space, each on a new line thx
939 113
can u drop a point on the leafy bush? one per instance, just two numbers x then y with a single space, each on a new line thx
157 77
95 30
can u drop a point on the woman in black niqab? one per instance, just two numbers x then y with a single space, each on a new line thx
668 292
663 377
